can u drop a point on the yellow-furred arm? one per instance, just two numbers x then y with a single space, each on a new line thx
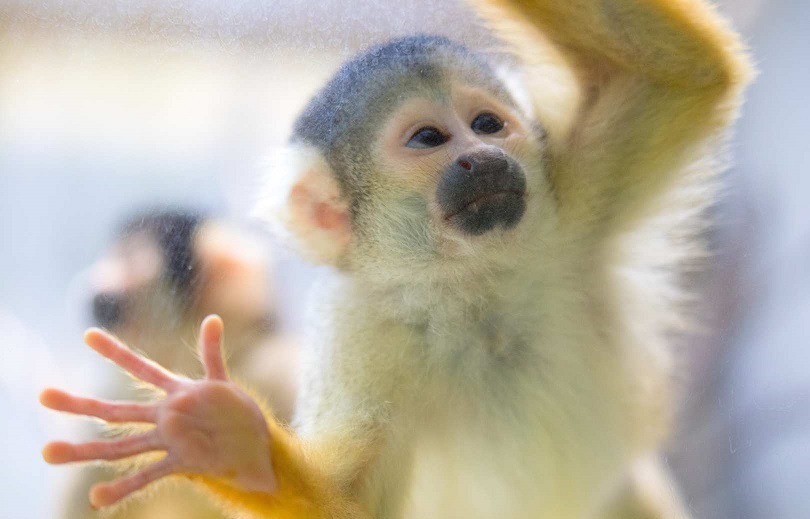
679 44
659 78
304 491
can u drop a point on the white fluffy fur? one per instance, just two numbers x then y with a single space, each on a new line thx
302 166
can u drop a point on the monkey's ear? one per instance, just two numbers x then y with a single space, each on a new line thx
303 203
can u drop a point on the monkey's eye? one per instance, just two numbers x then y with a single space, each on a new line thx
427 137
486 123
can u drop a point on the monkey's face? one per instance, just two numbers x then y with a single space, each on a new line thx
136 297
416 151
464 155
131 296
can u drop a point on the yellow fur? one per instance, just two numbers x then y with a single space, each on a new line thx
304 491
657 77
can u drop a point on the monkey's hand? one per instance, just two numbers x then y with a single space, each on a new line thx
207 427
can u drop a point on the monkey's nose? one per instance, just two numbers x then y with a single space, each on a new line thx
490 160
108 309
481 190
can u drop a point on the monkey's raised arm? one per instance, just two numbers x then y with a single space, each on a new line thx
210 430
659 77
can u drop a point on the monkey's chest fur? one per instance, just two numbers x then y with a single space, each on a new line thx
517 416
505 398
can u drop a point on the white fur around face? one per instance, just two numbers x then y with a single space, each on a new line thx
299 188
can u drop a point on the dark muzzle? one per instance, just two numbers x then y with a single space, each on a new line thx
482 190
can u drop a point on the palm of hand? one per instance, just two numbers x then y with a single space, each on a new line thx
212 427
208 427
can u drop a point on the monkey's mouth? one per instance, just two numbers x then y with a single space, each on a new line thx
487 211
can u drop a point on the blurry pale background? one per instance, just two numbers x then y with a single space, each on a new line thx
107 107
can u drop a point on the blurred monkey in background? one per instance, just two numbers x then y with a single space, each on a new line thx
165 270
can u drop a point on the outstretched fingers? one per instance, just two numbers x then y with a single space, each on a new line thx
105 494
116 412
64 452
211 332
142 368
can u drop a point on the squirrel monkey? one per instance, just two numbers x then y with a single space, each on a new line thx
494 342
166 269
